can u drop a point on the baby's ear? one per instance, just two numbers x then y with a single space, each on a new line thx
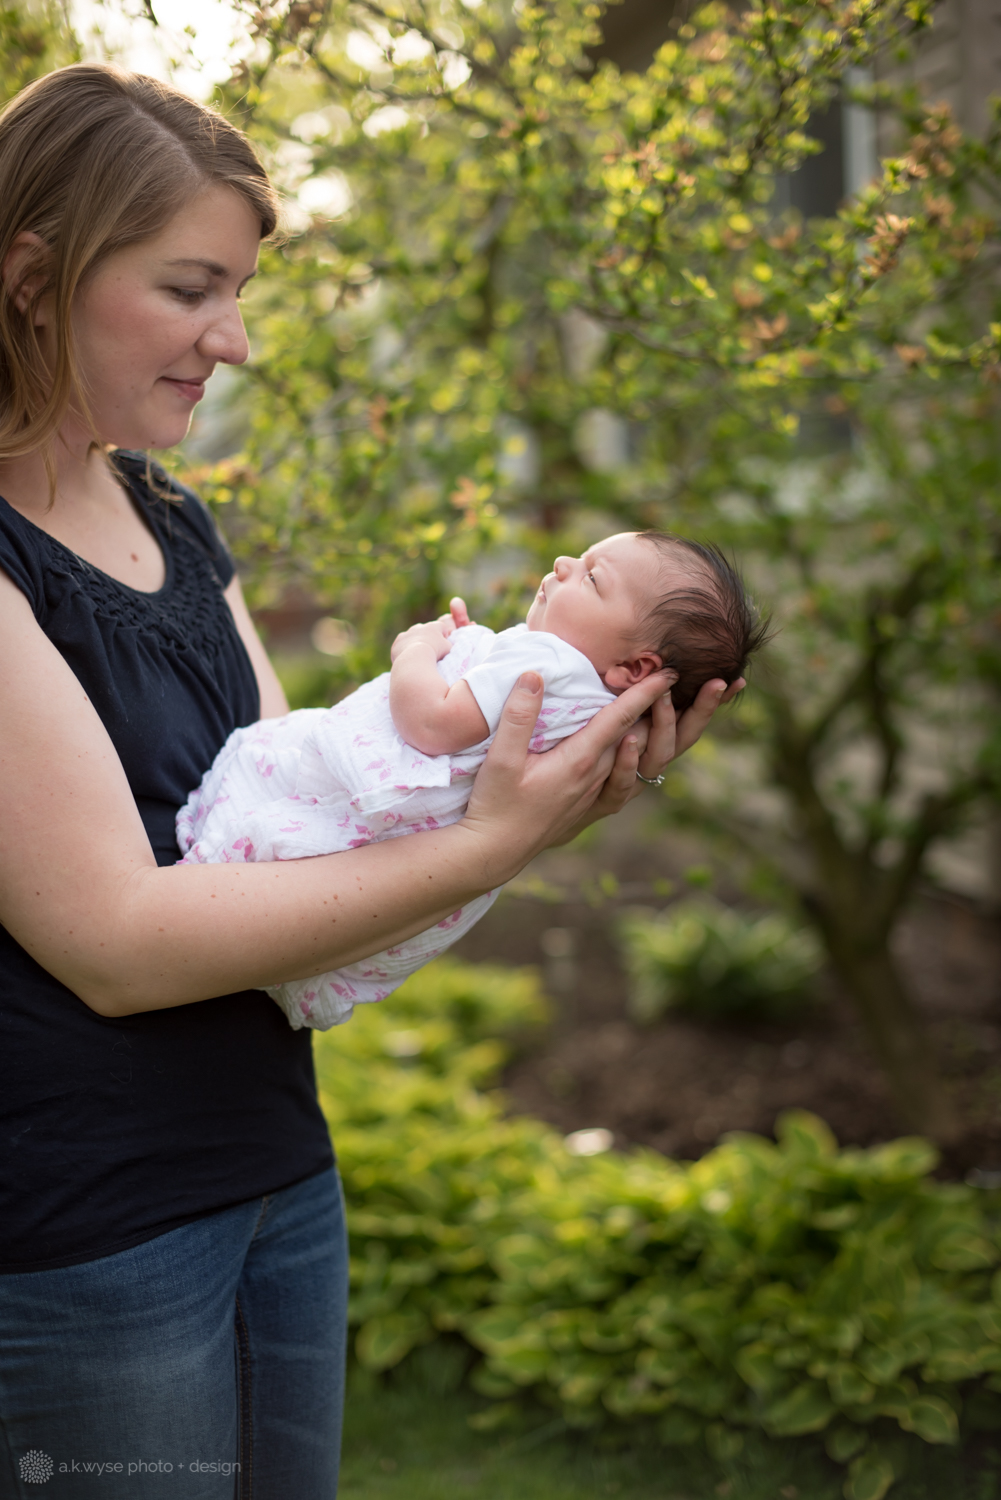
626 674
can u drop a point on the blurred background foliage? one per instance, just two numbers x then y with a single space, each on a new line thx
526 300
34 39
708 959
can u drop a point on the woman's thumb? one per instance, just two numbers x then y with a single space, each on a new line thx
521 710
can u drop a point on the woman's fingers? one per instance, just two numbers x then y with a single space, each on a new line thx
621 786
659 748
517 722
671 734
616 719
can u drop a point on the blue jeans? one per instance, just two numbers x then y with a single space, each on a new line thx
205 1364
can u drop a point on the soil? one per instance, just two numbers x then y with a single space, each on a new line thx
679 1084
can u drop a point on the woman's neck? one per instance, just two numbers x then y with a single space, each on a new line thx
90 512
79 468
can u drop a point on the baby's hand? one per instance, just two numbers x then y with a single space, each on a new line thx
435 634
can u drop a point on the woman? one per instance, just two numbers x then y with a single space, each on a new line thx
172 1234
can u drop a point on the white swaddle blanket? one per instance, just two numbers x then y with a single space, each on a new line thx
322 780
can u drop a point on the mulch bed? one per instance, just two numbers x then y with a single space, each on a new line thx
681 1083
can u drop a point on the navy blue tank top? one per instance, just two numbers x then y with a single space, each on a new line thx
114 1130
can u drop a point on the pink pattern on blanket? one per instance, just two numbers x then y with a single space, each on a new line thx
452 920
381 765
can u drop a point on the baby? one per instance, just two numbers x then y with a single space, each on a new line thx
399 755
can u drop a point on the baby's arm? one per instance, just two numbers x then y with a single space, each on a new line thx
433 717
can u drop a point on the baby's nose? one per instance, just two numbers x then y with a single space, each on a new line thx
562 566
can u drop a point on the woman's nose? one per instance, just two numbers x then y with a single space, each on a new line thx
225 339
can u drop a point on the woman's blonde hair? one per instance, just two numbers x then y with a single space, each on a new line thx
93 159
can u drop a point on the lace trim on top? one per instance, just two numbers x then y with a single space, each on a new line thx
186 612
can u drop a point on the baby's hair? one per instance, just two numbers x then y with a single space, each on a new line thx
707 629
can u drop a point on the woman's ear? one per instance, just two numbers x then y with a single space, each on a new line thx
23 271
626 674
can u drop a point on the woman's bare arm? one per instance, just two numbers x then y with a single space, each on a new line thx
80 890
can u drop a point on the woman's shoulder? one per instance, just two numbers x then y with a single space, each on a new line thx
22 552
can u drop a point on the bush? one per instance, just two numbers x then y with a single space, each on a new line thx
789 1287
704 958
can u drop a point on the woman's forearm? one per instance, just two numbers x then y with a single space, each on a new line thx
189 932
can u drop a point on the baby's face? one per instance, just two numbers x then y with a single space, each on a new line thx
598 602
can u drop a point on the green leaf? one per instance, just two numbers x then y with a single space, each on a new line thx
882 1364
755 1364
582 1390
383 1342
911 1156
805 1135
843 1442
808 1408
848 1386
959 1364
869 1477
961 1250
524 1366
933 1419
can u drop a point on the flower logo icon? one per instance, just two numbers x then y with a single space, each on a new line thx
36 1466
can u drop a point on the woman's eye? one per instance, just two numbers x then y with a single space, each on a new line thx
188 294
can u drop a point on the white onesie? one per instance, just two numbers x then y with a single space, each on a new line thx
321 780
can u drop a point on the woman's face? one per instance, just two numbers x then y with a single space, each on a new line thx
155 319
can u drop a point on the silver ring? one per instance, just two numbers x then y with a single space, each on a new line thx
652 780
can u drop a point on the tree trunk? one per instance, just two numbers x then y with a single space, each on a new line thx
898 1039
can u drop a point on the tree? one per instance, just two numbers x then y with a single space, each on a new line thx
531 241
34 39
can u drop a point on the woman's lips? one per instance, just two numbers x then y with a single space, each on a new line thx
191 390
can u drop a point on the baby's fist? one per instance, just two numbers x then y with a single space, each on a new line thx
435 634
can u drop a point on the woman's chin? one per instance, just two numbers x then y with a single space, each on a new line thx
147 435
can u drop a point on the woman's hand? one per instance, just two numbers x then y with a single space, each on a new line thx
522 803
657 740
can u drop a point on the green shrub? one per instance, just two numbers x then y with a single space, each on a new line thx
790 1287
701 957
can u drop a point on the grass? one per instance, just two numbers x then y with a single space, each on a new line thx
408 1438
